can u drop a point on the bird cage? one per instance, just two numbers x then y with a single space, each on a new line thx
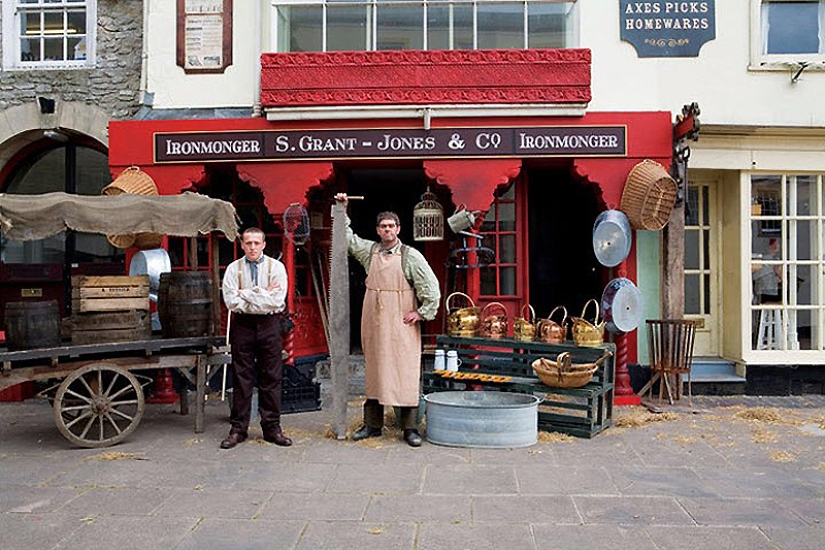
428 219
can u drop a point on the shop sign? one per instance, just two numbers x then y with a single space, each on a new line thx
551 141
660 28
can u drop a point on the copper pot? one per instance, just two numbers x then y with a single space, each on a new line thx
552 332
494 325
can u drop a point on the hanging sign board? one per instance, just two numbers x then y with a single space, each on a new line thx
550 141
667 28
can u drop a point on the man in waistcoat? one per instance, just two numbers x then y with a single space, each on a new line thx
254 290
398 280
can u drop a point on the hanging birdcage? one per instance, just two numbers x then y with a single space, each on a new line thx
428 219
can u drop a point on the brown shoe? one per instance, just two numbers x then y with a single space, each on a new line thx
278 438
233 439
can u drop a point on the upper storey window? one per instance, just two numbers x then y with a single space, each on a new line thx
48 33
791 31
335 25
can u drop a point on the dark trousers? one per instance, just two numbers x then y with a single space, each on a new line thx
256 360
374 415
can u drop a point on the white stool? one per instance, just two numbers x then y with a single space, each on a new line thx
771 329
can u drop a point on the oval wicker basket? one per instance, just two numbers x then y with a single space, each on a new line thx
133 181
552 332
563 373
494 325
586 333
648 196
524 327
462 322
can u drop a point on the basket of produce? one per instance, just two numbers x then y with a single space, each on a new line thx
524 327
494 320
563 373
462 322
587 333
552 332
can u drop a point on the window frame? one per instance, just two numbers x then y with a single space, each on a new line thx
373 5
777 62
11 13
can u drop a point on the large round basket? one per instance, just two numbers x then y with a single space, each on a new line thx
563 373
648 196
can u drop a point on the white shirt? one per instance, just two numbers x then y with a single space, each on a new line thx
240 296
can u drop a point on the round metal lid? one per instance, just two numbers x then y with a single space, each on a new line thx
612 237
622 305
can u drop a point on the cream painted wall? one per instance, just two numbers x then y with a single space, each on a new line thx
728 92
173 89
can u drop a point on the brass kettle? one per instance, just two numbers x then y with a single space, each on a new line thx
552 332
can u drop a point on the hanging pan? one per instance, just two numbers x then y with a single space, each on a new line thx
622 305
612 237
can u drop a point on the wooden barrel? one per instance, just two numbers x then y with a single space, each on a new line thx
185 304
32 324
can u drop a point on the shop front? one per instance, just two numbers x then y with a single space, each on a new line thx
526 160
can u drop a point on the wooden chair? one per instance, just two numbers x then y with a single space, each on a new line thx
671 355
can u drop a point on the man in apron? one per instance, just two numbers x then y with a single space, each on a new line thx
398 280
254 290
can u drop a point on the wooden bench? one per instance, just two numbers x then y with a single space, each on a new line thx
582 412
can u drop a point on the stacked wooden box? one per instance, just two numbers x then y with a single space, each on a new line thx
110 309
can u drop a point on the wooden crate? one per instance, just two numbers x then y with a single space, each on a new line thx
582 412
91 293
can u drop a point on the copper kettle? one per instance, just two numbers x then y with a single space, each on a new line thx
552 332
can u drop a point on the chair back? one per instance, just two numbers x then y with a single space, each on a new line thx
670 343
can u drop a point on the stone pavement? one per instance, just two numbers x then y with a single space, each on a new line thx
733 473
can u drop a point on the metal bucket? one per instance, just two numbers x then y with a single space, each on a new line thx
152 263
496 420
612 237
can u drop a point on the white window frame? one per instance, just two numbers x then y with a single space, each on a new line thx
372 21
11 36
784 62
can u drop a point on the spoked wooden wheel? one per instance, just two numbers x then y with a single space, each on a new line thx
98 405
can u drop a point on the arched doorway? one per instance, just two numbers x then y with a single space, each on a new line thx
42 269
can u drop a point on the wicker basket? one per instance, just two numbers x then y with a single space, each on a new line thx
133 181
563 373
494 322
586 333
462 322
648 196
524 328
552 332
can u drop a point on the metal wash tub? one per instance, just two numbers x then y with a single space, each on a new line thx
482 419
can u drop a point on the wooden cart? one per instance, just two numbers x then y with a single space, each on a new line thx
99 400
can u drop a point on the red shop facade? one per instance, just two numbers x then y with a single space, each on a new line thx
503 133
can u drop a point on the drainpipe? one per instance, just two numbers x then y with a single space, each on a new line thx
259 37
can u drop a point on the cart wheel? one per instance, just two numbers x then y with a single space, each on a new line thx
98 405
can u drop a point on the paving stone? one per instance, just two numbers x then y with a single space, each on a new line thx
743 512
674 481
228 534
285 477
315 506
214 503
28 500
117 501
674 537
632 510
438 508
558 480
338 535
811 537
125 533
525 509
477 536
473 479
590 537
29 531
374 478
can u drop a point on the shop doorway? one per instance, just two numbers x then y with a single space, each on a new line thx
563 268
396 190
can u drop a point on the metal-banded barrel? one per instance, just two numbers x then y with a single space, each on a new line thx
32 324
185 304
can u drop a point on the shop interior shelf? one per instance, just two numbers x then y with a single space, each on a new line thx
582 412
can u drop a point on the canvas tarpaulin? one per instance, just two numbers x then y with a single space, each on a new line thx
32 217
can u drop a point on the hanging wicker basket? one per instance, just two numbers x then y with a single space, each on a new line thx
524 327
428 219
587 333
133 181
462 322
648 196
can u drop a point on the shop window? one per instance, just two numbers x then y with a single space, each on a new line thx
48 33
787 262
499 230
698 250
333 25
789 31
